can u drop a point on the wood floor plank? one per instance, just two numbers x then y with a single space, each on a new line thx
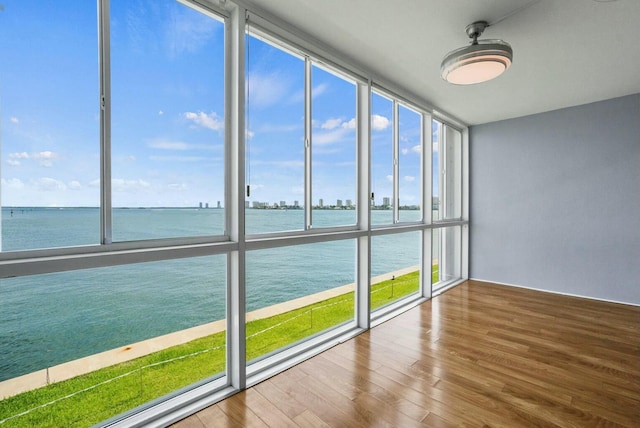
480 354
310 420
241 415
213 416
268 412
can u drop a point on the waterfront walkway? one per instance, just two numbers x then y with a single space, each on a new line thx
111 357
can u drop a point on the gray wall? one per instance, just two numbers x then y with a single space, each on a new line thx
555 201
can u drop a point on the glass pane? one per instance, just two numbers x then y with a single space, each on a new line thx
50 125
296 292
436 130
452 200
446 255
381 159
275 139
94 343
167 83
409 163
395 267
333 150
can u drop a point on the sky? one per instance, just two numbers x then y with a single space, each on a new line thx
167 114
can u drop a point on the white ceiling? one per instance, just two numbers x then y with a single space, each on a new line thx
566 52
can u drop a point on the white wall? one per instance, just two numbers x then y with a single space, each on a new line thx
555 200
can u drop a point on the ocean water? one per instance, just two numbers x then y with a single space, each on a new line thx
50 319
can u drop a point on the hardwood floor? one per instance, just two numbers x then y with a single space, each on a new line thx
478 355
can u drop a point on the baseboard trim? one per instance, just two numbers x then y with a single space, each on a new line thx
556 292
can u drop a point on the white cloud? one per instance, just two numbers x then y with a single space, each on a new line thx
417 149
14 120
331 123
45 158
379 123
133 186
319 90
178 186
330 137
23 155
47 154
404 151
160 113
12 183
350 124
409 178
48 184
249 134
390 178
74 184
130 158
210 121
13 162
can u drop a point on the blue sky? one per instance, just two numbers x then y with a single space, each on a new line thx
168 113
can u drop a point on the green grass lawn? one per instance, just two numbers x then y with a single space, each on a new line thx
88 399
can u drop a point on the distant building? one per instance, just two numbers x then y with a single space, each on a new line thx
283 204
257 204
206 205
296 204
339 203
219 205
349 203
386 201
320 202
246 204
200 204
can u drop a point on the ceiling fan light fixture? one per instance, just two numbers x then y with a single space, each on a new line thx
479 62
476 63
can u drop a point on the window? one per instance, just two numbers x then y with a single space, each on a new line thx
409 164
446 256
50 128
382 159
447 172
396 161
395 267
111 339
296 292
275 138
300 159
333 148
167 121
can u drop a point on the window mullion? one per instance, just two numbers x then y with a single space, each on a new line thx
396 166
363 205
308 207
426 167
235 186
105 122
